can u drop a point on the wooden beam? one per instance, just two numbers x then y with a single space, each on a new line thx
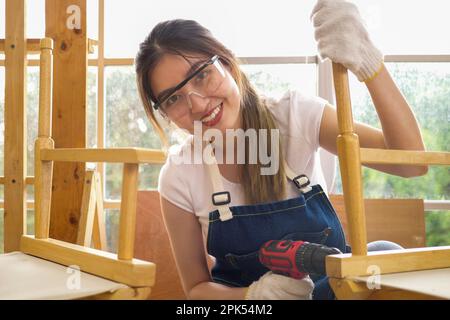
15 124
69 112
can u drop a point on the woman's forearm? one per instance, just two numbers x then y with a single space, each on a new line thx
400 128
216 291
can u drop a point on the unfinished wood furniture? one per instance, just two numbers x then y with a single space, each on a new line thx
125 276
398 274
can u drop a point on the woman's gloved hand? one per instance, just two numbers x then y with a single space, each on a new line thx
342 37
272 286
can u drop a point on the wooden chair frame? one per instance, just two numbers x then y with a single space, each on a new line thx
122 267
343 269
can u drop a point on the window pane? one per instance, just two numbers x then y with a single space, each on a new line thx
92 19
2 18
92 107
426 87
2 119
126 126
437 228
280 28
112 229
32 115
275 80
35 19
408 26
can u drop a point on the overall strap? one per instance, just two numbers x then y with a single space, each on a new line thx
220 198
301 181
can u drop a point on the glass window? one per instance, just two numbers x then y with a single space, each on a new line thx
275 80
2 119
248 28
407 26
112 229
92 108
126 126
35 19
437 224
92 19
32 115
425 86
2 18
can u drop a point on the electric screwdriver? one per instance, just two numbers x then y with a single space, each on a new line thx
295 259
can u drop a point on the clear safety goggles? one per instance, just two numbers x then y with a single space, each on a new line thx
203 83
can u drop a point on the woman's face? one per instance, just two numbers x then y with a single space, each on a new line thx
224 102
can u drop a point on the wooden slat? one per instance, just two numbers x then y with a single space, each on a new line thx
15 125
380 156
128 155
346 265
135 273
69 114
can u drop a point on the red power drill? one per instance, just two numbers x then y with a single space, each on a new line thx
295 259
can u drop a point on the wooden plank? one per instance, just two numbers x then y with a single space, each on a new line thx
398 220
128 155
15 125
381 156
69 113
134 273
346 265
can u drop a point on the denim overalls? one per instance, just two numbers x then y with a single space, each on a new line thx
236 233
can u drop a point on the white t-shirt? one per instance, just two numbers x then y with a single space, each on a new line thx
298 119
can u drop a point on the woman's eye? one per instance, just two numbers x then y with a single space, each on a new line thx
202 75
171 100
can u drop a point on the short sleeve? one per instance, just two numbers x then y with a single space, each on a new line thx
172 185
307 114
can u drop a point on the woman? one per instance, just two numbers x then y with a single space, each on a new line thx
232 208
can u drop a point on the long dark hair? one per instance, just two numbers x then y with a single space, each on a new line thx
186 38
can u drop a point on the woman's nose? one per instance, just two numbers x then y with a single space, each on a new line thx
198 103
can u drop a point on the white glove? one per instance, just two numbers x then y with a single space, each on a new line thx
272 286
342 37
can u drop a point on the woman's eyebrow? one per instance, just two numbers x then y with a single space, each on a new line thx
191 70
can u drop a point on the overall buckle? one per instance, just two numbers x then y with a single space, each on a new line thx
301 181
221 198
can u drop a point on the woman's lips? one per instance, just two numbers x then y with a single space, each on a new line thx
216 119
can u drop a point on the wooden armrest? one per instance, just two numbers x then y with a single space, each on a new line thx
122 155
404 157
134 273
